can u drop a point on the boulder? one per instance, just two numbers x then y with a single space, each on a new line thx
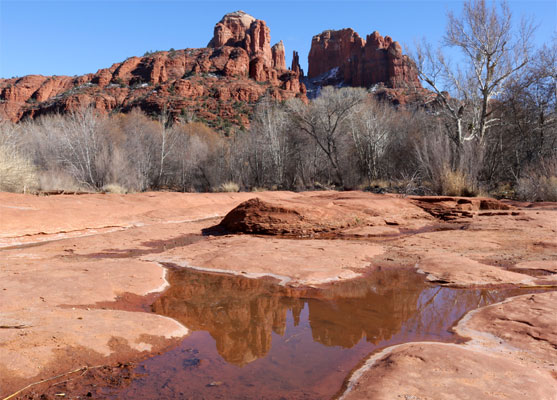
256 216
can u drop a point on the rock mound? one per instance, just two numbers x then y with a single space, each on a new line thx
256 216
449 208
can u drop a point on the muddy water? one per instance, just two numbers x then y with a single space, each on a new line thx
256 339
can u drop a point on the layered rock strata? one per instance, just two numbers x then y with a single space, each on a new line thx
343 56
238 65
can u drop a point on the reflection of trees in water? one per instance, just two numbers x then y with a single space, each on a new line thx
241 313
440 307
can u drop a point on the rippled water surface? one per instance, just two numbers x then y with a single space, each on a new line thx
256 339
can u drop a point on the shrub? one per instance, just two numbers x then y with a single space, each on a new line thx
229 187
503 191
456 183
537 188
114 188
17 174
56 180
539 182
150 53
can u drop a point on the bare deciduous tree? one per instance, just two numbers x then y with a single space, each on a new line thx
139 151
270 122
491 50
78 146
323 120
370 126
167 138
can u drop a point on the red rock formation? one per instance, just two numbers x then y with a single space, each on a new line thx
278 56
449 208
331 49
343 56
296 64
256 216
207 82
241 30
258 42
231 29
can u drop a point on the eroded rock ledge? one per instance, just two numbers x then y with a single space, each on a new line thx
511 354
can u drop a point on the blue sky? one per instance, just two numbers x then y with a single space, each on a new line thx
76 37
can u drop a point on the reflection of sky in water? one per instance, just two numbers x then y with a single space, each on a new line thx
255 339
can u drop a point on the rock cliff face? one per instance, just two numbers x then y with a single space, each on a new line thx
220 84
279 61
238 66
344 57
231 29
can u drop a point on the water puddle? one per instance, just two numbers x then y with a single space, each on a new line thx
252 338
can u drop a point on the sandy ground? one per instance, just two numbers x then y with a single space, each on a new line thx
67 261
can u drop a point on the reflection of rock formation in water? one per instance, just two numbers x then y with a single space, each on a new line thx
240 313
384 301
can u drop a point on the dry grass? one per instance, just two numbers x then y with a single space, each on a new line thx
114 188
537 188
56 180
539 181
17 174
229 187
456 183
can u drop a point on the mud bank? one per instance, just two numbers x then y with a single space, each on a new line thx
67 261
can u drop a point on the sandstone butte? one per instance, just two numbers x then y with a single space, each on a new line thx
217 83
221 83
343 57
69 262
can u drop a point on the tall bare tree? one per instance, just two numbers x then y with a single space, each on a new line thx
324 119
491 49
370 126
167 139
83 147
